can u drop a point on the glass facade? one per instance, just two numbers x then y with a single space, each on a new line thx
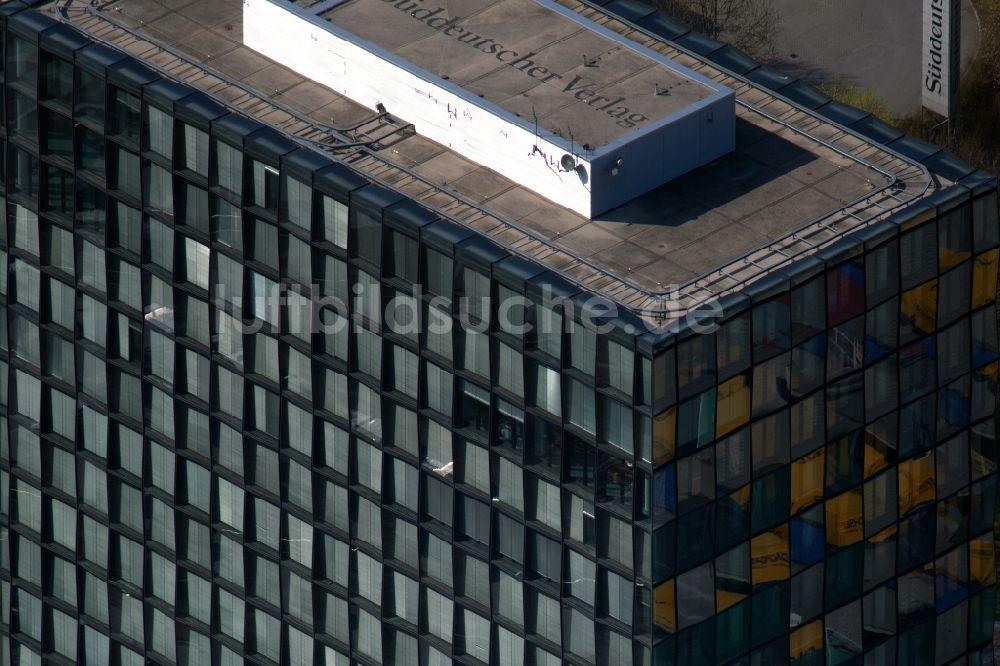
222 441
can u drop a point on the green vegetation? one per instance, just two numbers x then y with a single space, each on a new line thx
860 97
977 137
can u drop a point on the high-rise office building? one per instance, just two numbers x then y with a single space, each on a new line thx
751 418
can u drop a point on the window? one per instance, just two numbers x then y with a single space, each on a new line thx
437 562
23 174
334 221
58 135
297 203
510 598
194 319
510 370
402 484
300 541
296 259
580 405
438 501
473 579
22 113
57 251
438 332
439 273
195 266
439 612
264 248
476 297
265 299
266 517
617 366
403 374
265 186
367 635
546 507
437 388
401 257
227 224
160 132
510 485
194 150
228 171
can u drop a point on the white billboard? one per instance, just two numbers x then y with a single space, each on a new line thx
941 55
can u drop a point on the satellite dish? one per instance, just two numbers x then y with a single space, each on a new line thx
568 162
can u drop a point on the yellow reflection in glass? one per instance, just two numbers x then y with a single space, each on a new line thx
726 599
769 556
885 535
919 305
844 519
741 497
664 429
664 607
916 482
732 405
984 278
982 560
807 480
949 256
806 639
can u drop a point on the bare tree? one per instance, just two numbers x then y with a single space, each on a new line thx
750 25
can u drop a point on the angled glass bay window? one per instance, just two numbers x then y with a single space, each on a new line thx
91 92
367 300
125 174
296 259
510 369
58 191
227 169
616 366
401 257
334 221
582 347
193 146
56 79
438 385
23 173
548 331
226 224
580 406
264 246
159 129
473 407
126 117
58 139
265 180
440 271
438 332
918 255
22 114
159 190
92 150
22 62
509 425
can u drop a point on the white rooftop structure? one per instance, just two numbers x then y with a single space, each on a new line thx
527 88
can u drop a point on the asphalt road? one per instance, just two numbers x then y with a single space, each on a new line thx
874 44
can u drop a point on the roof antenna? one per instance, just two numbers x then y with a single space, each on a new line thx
535 148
